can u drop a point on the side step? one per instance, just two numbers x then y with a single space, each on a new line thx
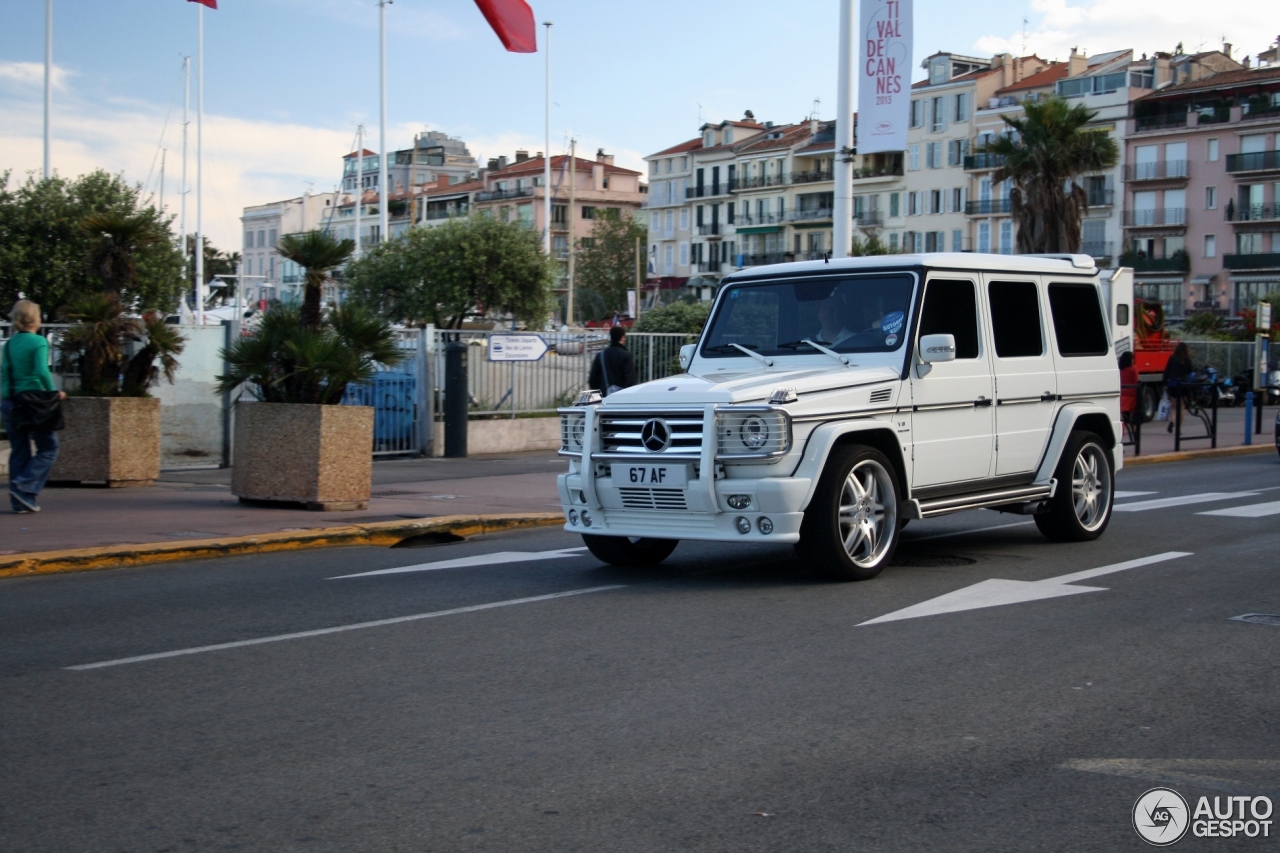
977 500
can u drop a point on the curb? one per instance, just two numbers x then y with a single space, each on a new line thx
385 534
1215 453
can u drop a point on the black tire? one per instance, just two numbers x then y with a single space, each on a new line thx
855 544
629 552
1080 509
1148 401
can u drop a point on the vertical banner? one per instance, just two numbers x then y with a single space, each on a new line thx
884 75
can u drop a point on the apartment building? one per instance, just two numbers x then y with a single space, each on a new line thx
269 276
711 194
433 155
1202 191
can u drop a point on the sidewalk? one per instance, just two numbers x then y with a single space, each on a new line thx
185 505
1157 440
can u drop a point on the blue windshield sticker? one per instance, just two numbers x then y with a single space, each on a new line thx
892 322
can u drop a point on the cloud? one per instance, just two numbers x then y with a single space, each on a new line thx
1100 26
23 77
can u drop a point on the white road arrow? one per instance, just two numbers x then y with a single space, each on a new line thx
467 562
995 592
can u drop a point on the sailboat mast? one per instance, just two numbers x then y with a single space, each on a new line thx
199 246
359 182
186 107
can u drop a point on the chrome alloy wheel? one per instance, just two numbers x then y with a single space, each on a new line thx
1091 487
868 513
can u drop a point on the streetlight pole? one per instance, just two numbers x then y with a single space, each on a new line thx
546 155
842 209
383 195
48 85
199 247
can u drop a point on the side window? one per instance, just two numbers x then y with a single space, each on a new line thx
1015 319
1077 319
951 308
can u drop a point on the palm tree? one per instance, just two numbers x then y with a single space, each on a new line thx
116 239
317 252
1052 148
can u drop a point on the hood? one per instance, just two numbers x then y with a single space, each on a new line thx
753 387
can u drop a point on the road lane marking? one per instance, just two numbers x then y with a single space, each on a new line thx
963 532
1247 511
1182 500
1216 774
1122 495
496 558
337 629
996 592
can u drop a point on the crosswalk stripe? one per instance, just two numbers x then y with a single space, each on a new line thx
1247 511
1183 500
1122 495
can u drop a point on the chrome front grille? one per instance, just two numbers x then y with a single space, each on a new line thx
656 499
620 432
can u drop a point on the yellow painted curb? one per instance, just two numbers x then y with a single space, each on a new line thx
383 533
1212 453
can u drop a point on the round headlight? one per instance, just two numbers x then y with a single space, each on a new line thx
755 432
578 431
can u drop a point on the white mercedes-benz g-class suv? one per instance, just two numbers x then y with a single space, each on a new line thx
826 404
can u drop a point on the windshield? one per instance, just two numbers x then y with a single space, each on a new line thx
854 314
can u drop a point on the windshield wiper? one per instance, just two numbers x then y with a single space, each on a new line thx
820 346
730 347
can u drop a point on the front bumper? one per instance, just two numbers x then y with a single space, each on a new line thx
706 514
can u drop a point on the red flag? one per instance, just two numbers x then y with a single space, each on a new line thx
212 4
512 20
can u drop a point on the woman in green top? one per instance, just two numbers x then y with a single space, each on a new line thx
26 368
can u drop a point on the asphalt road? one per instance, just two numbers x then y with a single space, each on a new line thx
724 701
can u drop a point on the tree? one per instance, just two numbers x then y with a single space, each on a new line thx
685 317
1051 149
45 254
441 275
607 264
873 245
318 253
216 263
115 240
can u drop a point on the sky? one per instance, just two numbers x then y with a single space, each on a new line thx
287 82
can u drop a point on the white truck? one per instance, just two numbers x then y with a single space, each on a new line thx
827 404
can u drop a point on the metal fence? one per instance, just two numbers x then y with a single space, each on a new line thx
1229 358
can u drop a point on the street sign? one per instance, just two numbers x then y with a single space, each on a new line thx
516 347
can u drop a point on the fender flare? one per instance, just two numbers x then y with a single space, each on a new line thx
1064 423
826 436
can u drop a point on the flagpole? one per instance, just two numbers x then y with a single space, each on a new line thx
359 182
186 106
546 156
48 84
383 195
842 209
199 246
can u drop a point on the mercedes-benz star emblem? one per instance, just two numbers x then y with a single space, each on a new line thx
655 435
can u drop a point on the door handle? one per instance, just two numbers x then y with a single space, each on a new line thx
982 401
1047 397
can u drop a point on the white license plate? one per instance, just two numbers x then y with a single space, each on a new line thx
654 476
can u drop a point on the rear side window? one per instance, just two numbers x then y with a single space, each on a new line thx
1015 318
1077 320
951 308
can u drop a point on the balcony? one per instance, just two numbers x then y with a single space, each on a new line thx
707 266
768 258
1096 250
499 195
1101 198
712 230
1261 261
1258 161
1253 212
1260 109
811 177
709 190
987 207
980 162
809 215
1161 217
759 218
1165 170
1160 121
761 181
869 219
1177 263
886 173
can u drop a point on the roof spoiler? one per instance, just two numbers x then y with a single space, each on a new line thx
1080 262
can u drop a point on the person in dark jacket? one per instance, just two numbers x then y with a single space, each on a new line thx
1176 371
26 368
614 368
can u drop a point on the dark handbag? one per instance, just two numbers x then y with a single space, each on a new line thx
33 411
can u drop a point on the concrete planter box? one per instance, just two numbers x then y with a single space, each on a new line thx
319 456
112 440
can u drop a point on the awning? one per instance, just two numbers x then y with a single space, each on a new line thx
1158 280
812 225
1255 279
760 229
1203 279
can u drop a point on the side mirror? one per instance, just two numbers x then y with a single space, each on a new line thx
686 355
935 348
